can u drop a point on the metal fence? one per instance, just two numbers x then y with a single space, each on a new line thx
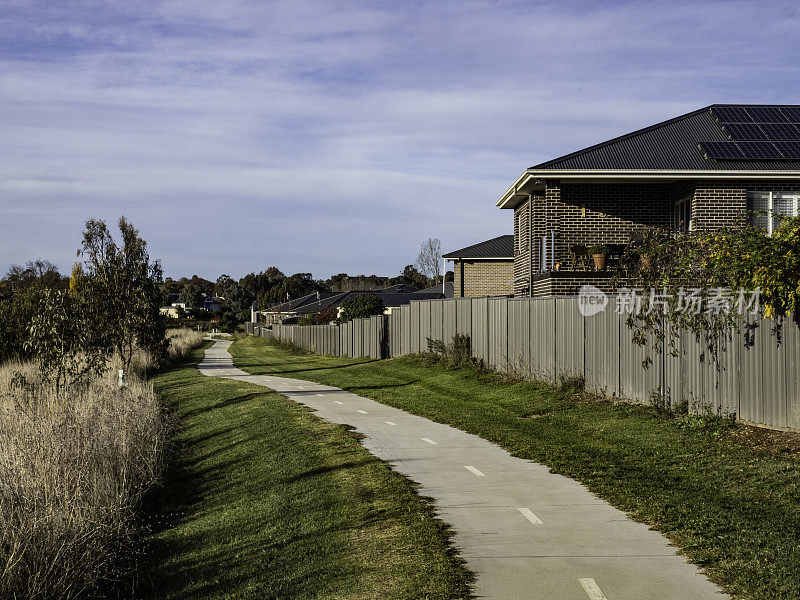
549 338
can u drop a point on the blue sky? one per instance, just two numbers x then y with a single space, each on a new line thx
337 136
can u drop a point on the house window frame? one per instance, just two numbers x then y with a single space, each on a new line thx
676 215
770 206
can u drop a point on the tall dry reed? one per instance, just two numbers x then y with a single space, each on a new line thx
73 467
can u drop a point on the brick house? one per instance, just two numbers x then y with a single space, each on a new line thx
699 171
484 269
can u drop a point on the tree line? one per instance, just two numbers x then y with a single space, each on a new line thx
72 325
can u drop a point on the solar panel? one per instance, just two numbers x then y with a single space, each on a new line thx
756 150
780 131
766 114
792 113
790 150
721 150
731 114
745 131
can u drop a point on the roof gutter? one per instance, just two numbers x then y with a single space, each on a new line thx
532 180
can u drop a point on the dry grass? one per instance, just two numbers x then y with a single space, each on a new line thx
73 468
182 341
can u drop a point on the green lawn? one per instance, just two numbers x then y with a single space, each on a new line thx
265 500
732 510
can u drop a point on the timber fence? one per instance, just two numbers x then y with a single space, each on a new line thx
547 339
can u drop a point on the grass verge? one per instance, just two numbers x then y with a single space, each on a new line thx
265 500
731 508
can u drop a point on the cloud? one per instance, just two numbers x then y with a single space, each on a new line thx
330 137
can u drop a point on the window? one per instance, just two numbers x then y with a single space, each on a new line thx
521 232
682 215
768 207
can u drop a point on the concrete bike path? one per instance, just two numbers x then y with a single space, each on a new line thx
526 533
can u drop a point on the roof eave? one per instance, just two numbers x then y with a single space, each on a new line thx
530 178
520 191
478 257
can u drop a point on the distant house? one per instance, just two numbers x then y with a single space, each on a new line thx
484 269
700 171
212 304
393 297
171 312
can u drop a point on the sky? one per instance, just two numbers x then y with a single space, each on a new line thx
331 137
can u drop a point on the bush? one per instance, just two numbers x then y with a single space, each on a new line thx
457 353
360 307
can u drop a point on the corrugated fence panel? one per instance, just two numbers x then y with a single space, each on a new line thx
405 329
347 346
424 324
750 373
368 334
569 338
543 338
636 382
358 338
519 337
480 328
601 351
693 356
449 318
498 333
463 316
416 344
721 377
394 334
773 382
673 366
436 319
375 327
792 341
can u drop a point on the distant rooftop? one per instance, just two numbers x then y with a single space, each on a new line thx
499 247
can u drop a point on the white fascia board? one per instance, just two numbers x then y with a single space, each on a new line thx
515 194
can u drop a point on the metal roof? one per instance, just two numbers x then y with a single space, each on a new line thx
437 289
500 247
670 145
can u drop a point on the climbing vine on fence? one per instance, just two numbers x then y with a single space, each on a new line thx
708 283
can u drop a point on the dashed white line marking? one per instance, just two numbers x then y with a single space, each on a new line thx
592 589
320 394
526 512
363 412
338 402
428 441
474 471
390 423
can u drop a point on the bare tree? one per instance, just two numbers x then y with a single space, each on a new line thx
429 259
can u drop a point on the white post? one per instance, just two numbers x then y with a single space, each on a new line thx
121 374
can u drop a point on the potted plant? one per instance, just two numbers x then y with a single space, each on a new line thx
599 254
